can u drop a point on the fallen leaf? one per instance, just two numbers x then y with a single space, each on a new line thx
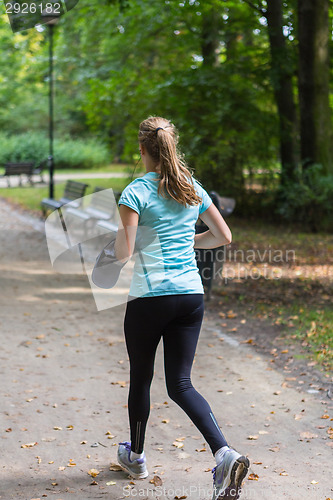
28 445
156 481
314 482
180 498
165 421
178 445
115 467
308 435
71 463
70 427
325 416
274 448
253 477
257 463
94 483
111 483
61 468
93 472
57 428
283 473
200 449
252 438
122 383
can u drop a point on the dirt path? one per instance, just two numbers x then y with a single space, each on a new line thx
64 374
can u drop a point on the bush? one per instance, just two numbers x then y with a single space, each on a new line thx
309 202
68 152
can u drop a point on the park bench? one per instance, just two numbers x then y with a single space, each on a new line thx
206 259
73 191
100 209
26 168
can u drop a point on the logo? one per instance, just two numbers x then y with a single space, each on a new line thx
81 231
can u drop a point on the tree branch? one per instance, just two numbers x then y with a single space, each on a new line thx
258 9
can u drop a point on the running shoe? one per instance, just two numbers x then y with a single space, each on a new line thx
228 476
136 468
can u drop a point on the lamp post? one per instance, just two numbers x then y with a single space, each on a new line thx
51 20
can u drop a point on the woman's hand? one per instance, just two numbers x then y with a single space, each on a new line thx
218 233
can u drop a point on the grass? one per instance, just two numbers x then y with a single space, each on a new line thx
29 197
299 301
113 168
315 328
310 324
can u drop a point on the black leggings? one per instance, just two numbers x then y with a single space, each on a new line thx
176 318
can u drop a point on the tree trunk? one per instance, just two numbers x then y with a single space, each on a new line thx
210 37
314 73
282 73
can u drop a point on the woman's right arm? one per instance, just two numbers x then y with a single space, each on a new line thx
218 233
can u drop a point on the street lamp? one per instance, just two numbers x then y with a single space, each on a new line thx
51 19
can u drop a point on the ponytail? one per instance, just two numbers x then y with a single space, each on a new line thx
160 138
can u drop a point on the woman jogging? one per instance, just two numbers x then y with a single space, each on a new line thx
168 200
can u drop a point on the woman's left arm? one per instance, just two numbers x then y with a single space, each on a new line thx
126 235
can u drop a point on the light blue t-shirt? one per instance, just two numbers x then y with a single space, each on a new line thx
167 266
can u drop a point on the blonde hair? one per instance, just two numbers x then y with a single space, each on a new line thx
160 138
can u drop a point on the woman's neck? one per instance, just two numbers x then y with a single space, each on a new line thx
151 167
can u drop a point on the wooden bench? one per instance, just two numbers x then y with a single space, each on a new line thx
21 168
39 169
73 191
100 209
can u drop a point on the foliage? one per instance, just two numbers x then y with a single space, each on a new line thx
309 201
116 62
67 152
